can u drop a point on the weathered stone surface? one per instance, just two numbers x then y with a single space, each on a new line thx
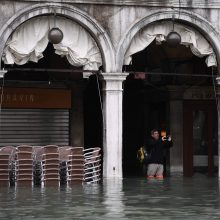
155 3
118 17
113 24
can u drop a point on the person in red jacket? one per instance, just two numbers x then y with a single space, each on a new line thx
157 146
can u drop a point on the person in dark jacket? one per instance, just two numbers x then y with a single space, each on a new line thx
157 146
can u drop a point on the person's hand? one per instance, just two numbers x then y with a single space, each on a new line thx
164 138
169 138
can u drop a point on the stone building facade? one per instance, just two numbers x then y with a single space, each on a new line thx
113 25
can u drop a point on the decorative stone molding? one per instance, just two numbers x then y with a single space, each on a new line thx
90 24
147 3
113 81
188 17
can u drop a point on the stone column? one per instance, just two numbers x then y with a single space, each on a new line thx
112 124
76 115
176 129
218 115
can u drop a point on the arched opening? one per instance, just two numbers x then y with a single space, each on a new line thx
172 90
49 101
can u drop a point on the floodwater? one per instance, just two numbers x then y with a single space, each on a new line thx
131 198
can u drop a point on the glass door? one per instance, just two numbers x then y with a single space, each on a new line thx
200 138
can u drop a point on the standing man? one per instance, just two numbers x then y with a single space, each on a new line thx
157 147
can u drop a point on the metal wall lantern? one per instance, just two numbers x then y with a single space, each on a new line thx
173 38
55 35
2 73
218 80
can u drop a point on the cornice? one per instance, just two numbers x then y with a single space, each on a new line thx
211 4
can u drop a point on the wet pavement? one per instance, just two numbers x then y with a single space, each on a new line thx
131 198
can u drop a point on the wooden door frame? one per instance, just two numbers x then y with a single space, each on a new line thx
188 107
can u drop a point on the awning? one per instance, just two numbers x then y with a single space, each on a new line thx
159 30
28 42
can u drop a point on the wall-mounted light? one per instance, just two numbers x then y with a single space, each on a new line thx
173 38
218 80
55 35
2 73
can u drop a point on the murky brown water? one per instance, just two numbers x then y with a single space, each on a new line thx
132 198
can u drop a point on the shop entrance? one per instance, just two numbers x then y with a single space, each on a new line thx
200 145
145 108
148 97
75 126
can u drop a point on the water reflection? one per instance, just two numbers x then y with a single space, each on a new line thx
113 199
173 198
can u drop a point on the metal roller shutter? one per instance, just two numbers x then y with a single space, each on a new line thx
34 127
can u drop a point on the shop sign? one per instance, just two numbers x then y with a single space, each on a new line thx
35 98
199 93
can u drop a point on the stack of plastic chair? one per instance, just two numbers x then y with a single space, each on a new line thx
76 166
92 165
24 165
51 166
4 169
7 166
37 163
64 158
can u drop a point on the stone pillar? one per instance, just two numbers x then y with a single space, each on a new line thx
76 115
176 129
112 124
218 115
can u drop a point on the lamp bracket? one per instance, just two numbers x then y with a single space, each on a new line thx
2 73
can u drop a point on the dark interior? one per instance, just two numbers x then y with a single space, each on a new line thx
54 71
146 101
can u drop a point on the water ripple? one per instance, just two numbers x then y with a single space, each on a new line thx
174 198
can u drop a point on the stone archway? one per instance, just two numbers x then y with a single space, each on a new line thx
189 18
82 18
90 24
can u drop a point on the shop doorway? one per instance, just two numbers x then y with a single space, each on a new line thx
200 145
81 124
148 92
145 108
